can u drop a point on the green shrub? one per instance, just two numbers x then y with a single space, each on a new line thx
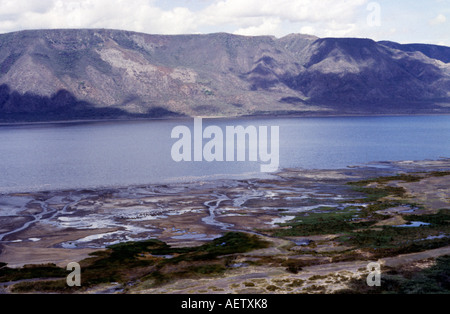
322 223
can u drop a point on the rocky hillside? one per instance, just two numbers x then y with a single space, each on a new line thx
73 74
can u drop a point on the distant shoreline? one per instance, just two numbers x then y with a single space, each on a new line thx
183 118
371 169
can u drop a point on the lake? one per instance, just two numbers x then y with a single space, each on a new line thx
52 156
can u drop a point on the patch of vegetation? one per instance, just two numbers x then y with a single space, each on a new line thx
432 280
129 261
317 277
390 240
295 265
383 180
372 209
129 250
373 194
315 289
381 190
31 271
281 282
439 174
272 288
47 286
230 243
308 224
296 283
442 218
357 226
325 208
208 269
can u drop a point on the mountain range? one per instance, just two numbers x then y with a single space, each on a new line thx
99 73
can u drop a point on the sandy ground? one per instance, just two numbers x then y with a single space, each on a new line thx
433 193
322 278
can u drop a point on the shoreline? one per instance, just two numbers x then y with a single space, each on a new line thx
388 165
241 117
375 165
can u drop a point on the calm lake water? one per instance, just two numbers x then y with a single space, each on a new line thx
102 154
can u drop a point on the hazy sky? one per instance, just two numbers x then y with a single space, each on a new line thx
405 21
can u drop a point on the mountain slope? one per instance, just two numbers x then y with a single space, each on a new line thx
71 74
441 53
363 73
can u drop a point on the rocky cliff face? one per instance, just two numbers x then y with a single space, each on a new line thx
71 74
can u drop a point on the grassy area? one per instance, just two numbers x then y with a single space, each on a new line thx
203 260
390 240
307 224
386 179
380 190
439 174
372 194
375 189
131 261
356 225
31 271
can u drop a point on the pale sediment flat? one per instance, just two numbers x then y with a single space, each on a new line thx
56 226
74 222
65 226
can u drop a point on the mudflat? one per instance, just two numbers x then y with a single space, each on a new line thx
308 248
